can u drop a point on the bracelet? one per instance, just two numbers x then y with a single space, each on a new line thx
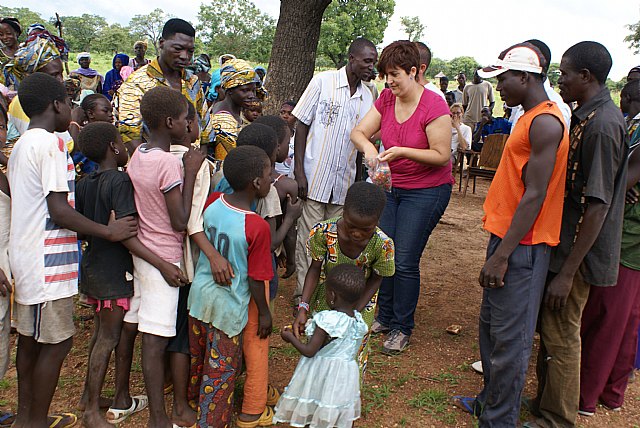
303 305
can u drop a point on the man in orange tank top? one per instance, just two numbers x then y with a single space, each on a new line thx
522 214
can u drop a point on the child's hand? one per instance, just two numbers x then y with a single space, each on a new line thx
5 284
192 161
121 229
294 209
221 269
299 323
173 275
282 260
264 324
287 334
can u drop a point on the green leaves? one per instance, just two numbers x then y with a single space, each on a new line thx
346 20
413 27
237 27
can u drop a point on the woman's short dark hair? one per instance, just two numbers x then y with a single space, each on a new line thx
399 54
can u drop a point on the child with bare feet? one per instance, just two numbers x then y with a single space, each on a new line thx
106 267
163 199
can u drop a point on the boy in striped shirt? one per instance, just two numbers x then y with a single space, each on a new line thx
43 245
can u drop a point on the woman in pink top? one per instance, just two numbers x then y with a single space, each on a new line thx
415 128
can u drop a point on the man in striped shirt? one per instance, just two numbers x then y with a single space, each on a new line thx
325 159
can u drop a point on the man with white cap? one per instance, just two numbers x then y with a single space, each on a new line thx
89 78
521 214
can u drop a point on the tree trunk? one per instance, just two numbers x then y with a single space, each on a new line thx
293 53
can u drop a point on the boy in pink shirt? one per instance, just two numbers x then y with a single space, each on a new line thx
163 202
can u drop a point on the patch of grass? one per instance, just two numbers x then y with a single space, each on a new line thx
65 381
5 384
402 379
435 403
464 366
287 351
375 396
446 377
3 403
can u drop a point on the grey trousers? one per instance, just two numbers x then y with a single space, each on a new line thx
508 318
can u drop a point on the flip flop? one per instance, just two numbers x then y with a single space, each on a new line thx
138 403
265 420
468 404
7 419
273 395
62 420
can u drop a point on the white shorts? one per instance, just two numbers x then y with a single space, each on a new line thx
154 305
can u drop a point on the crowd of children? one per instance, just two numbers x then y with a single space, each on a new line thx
188 265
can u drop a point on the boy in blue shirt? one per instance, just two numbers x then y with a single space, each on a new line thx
218 313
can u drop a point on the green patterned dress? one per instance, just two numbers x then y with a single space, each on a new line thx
377 257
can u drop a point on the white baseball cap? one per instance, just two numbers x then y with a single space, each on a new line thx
521 57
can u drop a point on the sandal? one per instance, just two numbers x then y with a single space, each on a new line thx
138 403
273 395
7 419
62 420
468 404
265 420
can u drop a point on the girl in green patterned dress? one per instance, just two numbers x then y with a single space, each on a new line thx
353 238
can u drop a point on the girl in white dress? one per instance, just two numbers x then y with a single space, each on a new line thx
324 391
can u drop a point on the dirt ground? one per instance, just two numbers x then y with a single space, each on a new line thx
409 390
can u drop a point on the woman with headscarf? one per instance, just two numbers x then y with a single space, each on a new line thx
10 30
140 48
238 80
41 52
113 80
89 78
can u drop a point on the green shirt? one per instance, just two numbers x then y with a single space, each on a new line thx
377 257
630 245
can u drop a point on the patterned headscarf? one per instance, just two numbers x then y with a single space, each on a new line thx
60 44
34 55
237 72
37 28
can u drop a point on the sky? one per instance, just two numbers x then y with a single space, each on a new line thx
469 28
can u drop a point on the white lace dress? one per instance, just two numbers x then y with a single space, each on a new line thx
325 390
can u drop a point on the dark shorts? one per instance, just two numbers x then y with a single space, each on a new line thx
180 342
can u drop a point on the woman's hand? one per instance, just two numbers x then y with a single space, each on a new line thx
299 323
391 154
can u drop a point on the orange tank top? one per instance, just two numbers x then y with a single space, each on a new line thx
508 187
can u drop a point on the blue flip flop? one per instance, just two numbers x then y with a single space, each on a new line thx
6 419
468 404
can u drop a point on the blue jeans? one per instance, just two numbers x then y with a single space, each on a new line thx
408 218
508 317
